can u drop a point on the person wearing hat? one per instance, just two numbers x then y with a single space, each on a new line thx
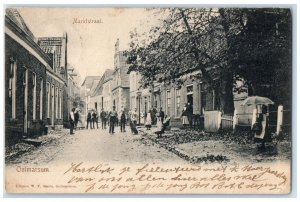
112 120
89 120
123 121
103 116
76 118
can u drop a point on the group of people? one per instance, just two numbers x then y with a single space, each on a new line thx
92 119
112 119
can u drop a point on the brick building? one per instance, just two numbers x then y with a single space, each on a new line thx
25 80
57 91
172 98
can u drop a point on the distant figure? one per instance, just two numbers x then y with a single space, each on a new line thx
129 116
133 122
153 115
72 121
184 115
89 120
260 128
103 118
134 117
112 120
92 119
107 117
95 119
162 115
123 121
76 118
189 109
148 120
142 118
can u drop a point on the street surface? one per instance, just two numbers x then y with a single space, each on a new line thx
98 145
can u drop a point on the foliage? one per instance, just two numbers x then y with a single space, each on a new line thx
219 46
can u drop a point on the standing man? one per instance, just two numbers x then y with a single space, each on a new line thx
103 118
76 118
95 119
162 115
112 120
71 119
123 121
92 119
89 120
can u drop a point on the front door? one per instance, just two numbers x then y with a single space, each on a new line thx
190 100
25 83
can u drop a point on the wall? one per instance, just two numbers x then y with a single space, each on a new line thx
59 119
23 58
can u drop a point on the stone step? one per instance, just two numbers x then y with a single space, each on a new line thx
33 142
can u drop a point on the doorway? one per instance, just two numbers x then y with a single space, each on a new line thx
190 100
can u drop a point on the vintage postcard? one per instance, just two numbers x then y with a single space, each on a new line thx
148 100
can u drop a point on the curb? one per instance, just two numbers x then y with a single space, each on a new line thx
182 154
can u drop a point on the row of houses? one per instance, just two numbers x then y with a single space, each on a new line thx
37 81
124 91
110 89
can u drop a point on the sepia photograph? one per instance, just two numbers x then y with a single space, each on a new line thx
148 100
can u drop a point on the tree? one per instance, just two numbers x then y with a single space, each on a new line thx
264 58
213 42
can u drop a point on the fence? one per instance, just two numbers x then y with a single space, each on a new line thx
226 122
279 120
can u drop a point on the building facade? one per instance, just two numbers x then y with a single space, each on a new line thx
57 81
25 80
86 87
121 82
171 98
100 98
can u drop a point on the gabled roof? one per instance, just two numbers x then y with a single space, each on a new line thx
14 15
105 77
88 81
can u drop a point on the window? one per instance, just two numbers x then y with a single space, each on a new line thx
12 88
168 103
177 98
56 102
34 96
52 104
189 89
48 99
60 103
41 99
203 89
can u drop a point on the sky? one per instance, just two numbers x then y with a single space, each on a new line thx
90 45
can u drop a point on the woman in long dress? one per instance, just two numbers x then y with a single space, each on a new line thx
185 120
